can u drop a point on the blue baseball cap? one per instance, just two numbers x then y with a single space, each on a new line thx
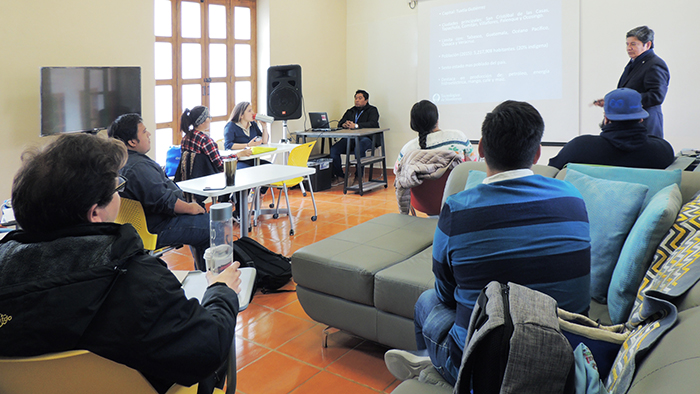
624 104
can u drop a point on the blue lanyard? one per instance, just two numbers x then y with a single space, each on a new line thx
357 116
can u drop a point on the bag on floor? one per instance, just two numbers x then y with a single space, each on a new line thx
273 269
515 345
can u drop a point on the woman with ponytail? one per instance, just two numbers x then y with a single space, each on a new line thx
424 121
195 124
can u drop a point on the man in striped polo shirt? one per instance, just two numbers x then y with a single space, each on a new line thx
516 226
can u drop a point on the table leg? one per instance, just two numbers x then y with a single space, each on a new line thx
347 166
358 160
243 207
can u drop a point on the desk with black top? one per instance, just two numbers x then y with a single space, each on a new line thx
378 154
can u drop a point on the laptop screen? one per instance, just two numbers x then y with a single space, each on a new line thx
319 120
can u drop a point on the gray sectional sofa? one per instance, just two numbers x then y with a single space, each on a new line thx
366 280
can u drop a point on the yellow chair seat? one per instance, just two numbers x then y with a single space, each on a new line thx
75 371
131 211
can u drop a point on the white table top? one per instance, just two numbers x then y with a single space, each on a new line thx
281 148
246 178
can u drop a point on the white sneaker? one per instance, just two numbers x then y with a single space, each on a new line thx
405 365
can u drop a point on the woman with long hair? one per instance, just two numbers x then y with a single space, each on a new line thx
243 132
424 121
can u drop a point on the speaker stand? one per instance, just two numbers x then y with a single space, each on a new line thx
285 132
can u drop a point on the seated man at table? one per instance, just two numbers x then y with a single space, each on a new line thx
514 227
72 279
363 115
168 215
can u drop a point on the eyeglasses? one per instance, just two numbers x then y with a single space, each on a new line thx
121 184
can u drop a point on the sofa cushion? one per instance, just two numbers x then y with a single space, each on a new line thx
654 179
672 366
397 288
686 226
344 265
475 178
612 208
638 251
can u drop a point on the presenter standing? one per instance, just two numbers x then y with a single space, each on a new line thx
647 74
362 115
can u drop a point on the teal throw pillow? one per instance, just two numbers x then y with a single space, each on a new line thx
654 179
612 208
638 251
475 178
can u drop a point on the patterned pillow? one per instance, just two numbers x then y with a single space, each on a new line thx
686 226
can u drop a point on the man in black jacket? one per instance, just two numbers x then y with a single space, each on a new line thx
362 116
624 140
647 74
71 279
167 213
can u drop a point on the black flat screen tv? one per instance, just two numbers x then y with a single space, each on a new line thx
87 99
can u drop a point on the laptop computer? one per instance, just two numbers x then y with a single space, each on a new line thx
320 122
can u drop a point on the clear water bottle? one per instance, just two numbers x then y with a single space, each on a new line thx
220 253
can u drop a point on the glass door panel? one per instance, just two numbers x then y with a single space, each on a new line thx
243 91
217 21
218 102
191 61
217 60
163 60
163 26
164 103
191 97
191 20
204 55
242 60
164 138
241 23
216 131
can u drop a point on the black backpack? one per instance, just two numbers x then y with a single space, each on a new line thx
273 269
515 345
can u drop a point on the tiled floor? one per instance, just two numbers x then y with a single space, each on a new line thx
278 346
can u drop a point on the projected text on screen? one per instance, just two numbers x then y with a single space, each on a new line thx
490 51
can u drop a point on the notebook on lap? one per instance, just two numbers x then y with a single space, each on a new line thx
320 122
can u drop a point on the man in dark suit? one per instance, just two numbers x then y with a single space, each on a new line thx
647 74
362 115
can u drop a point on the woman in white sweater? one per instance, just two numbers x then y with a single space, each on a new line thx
424 120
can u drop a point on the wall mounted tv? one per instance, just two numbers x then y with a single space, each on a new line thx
87 99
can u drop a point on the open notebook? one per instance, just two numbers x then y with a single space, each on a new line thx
195 283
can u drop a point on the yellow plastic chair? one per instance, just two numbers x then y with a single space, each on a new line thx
131 211
80 371
220 144
299 156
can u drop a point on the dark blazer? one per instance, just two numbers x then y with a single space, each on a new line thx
368 119
648 75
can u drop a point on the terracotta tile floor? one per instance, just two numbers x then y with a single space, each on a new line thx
278 346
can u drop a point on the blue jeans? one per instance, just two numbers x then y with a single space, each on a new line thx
433 321
192 230
340 148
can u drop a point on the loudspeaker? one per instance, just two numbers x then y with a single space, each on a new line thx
284 92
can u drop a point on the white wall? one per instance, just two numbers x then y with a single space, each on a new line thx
382 53
66 33
310 33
